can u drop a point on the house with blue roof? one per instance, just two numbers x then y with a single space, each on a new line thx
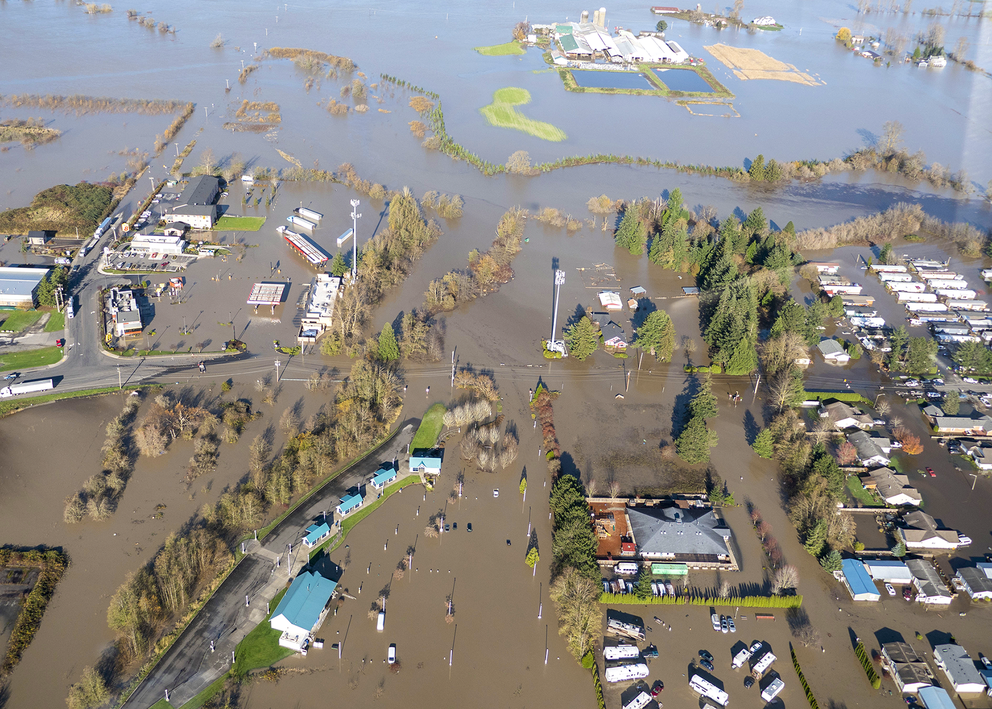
383 477
316 533
427 464
856 578
350 503
302 610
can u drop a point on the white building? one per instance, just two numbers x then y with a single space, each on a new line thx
19 286
319 312
921 532
959 668
832 351
889 571
977 585
302 610
162 245
930 588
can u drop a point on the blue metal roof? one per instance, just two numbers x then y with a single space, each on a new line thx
305 600
936 698
350 502
315 532
384 476
857 577
428 461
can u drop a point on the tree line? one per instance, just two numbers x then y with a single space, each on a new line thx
51 565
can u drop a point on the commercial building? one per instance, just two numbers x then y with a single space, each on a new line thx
681 531
196 205
910 672
270 294
857 581
959 668
921 532
319 311
124 313
930 587
302 610
963 426
19 286
610 300
892 487
144 245
976 584
428 464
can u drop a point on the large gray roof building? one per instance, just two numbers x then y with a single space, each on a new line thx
696 536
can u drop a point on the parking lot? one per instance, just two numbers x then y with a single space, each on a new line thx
162 263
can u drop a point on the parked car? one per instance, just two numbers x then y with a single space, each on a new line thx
748 682
447 528
706 655
468 527
931 473
730 624
650 651
715 619
454 525
495 492
391 655
657 688
985 661
707 664
891 591
60 342
907 594
724 628
971 380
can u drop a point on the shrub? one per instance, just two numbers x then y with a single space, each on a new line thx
620 599
873 677
802 680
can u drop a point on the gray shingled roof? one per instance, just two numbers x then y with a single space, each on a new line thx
671 530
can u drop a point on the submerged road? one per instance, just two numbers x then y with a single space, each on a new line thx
193 663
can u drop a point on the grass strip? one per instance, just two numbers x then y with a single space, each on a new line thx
260 647
11 406
862 494
19 320
501 50
226 223
502 113
55 323
849 396
349 522
430 428
31 358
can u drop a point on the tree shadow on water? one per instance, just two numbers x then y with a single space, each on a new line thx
751 427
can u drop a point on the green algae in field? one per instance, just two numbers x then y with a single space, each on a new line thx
501 50
502 113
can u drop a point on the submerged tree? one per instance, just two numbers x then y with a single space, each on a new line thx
582 338
657 335
632 234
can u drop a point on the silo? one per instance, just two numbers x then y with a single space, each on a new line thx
595 17
585 16
602 17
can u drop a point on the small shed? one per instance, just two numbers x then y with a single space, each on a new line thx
350 503
858 581
383 477
610 300
315 534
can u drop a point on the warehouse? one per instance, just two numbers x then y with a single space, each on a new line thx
858 582
19 287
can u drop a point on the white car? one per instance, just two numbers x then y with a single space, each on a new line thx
970 380
716 622
891 591
986 661
495 492
724 628
730 624
391 655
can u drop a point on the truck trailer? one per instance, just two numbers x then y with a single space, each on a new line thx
26 388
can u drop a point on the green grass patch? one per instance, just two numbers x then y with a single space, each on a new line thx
31 358
848 396
502 113
501 50
17 320
212 690
226 223
162 704
55 323
430 428
350 521
861 494
260 648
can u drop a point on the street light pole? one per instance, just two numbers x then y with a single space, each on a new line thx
354 238
278 363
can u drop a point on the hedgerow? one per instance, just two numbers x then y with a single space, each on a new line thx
873 677
802 680
620 599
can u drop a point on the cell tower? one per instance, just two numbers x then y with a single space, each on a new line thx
554 345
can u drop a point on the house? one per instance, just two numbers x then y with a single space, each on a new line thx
834 352
613 336
845 416
977 585
910 672
963 425
857 39
936 698
350 503
38 238
892 487
19 286
176 229
959 668
933 412
383 477
930 588
429 464
872 452
982 456
861 301
830 268
315 534
889 571
920 531
693 535
938 62
302 609
857 581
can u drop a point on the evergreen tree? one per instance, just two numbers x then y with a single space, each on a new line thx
816 538
694 443
703 404
339 266
815 316
789 229
723 268
899 550
836 306
951 404
973 357
46 292
755 224
773 173
885 254
831 561
631 234
897 342
763 443
757 169
792 317
921 355
732 331
582 338
388 349
657 335
643 588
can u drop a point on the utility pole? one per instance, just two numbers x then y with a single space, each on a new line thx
354 225
559 281
278 363
754 396
120 384
452 369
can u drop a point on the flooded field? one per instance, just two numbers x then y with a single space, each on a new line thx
611 80
683 80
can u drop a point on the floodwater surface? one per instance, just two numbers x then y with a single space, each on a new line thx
611 80
683 80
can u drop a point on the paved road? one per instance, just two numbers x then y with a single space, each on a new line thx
190 665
